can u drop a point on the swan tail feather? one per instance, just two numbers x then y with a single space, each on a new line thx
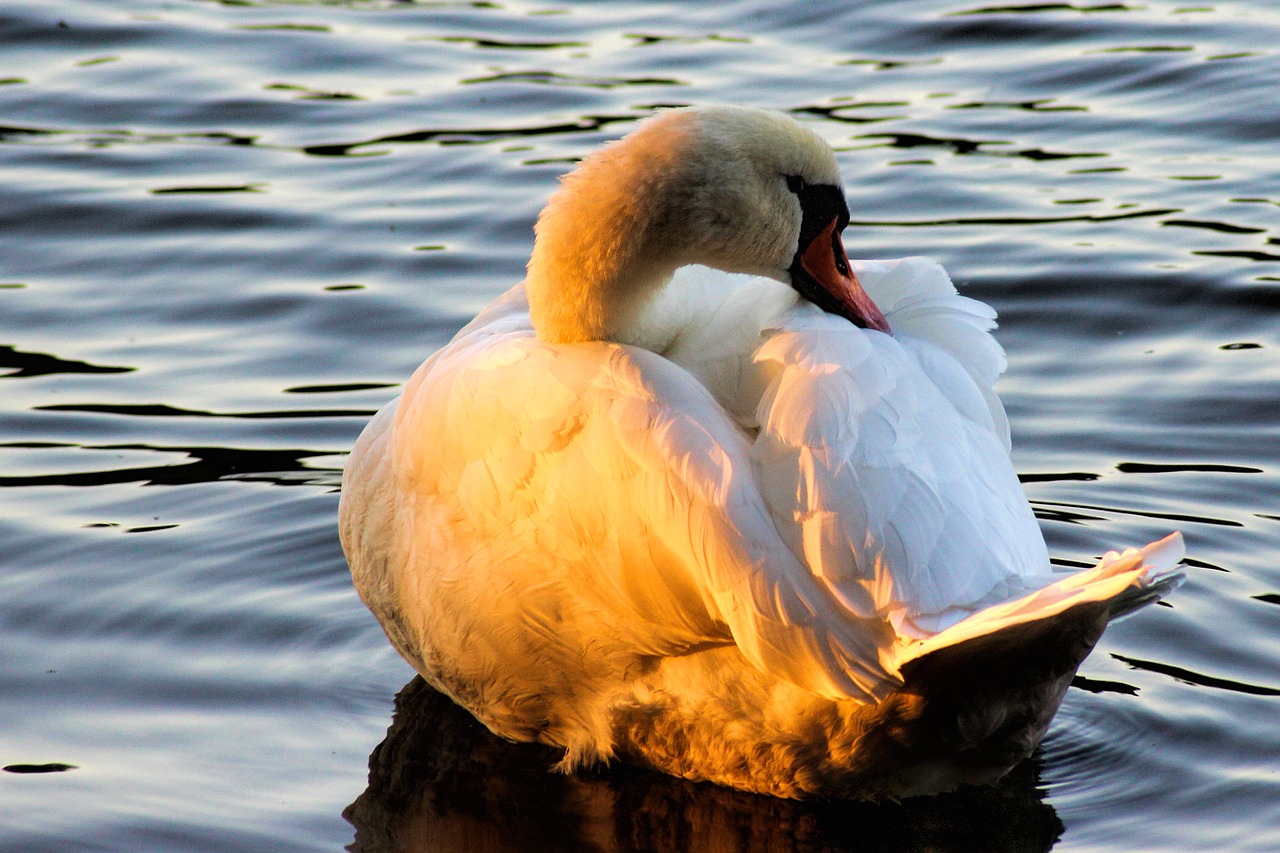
977 697
1122 581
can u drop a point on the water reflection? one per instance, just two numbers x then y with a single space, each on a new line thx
465 136
440 781
281 467
550 78
25 364
1188 676
1033 8
499 44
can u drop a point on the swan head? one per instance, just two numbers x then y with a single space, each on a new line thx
740 189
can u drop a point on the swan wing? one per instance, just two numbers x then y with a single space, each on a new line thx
921 302
884 459
611 474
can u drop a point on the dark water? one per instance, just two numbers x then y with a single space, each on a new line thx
229 230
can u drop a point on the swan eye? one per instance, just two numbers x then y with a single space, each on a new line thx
795 183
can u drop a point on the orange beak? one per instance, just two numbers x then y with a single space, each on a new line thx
825 263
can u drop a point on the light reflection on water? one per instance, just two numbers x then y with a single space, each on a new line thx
231 231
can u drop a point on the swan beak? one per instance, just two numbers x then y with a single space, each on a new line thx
821 274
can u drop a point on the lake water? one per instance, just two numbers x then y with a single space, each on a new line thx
228 231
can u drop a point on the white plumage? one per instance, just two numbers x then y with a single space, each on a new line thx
703 523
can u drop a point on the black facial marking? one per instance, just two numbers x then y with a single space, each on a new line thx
819 205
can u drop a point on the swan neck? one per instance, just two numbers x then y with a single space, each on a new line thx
595 296
607 243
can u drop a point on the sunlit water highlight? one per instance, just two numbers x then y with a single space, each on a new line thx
230 230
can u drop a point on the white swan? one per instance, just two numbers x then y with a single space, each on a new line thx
706 524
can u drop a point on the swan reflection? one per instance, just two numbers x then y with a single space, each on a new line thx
441 782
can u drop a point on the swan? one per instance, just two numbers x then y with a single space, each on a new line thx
703 494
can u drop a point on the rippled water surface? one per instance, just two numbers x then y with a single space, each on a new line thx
228 231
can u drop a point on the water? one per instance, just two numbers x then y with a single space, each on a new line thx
229 230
